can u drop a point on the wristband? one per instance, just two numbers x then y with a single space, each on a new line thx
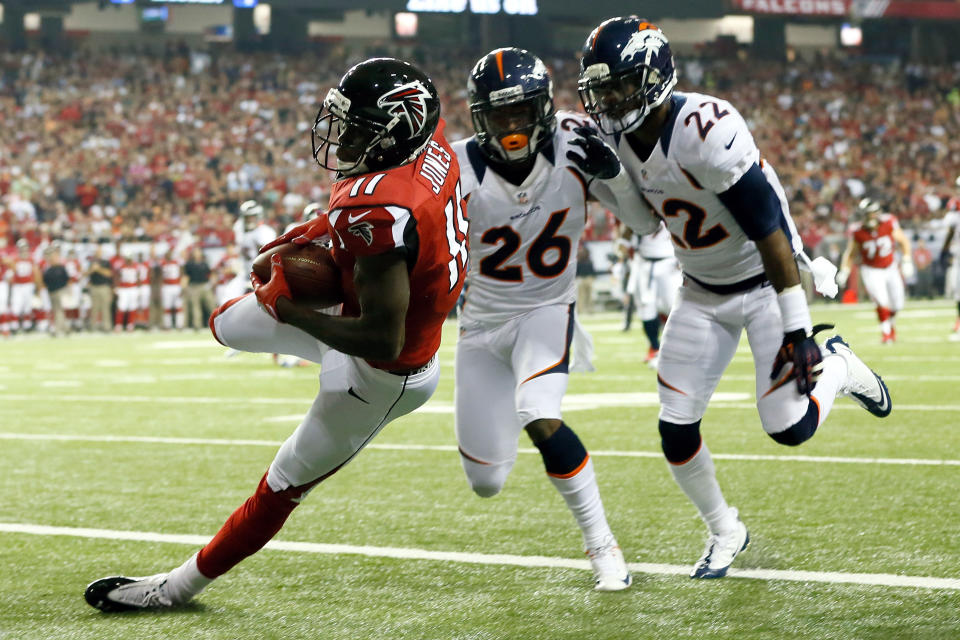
794 310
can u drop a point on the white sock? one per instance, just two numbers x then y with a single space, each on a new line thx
830 384
886 326
698 479
583 499
186 581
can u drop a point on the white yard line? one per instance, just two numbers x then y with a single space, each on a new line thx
64 437
572 402
401 553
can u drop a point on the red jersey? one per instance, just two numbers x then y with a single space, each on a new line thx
143 272
417 209
23 271
171 271
128 276
877 244
74 271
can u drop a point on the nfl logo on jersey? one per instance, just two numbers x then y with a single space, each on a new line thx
522 197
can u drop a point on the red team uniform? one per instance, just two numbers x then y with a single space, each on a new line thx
415 208
400 194
879 269
400 209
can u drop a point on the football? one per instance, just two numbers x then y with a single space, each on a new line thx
310 271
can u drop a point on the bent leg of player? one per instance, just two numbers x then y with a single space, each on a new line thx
486 421
242 325
787 416
354 404
699 341
541 360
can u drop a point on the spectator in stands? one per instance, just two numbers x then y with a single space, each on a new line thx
198 294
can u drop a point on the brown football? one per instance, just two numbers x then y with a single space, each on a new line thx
310 271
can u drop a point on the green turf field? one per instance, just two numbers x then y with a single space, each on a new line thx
160 437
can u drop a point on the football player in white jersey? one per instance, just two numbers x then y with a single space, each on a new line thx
654 280
527 208
951 246
695 161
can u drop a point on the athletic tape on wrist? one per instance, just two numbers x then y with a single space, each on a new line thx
794 310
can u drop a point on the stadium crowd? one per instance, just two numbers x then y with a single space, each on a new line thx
127 155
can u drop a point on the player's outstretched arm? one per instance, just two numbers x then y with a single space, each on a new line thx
609 183
383 290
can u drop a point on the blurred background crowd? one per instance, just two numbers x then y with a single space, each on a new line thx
119 153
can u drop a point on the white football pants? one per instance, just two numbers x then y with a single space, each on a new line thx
884 286
656 287
700 340
354 403
507 376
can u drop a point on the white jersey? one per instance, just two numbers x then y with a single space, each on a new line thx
704 149
656 246
251 241
523 239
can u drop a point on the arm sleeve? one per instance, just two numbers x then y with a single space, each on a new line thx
620 195
754 204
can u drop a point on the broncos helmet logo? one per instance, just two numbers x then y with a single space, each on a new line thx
363 230
647 40
408 102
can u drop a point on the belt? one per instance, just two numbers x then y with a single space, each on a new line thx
413 372
733 287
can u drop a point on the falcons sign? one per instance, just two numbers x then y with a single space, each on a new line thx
408 101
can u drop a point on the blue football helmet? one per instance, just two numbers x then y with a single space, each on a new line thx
626 71
511 103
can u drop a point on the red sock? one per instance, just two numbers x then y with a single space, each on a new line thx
118 319
883 314
248 528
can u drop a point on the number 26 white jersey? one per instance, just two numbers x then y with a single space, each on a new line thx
704 149
523 238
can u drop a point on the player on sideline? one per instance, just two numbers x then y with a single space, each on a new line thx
951 245
873 238
399 238
654 280
694 159
527 213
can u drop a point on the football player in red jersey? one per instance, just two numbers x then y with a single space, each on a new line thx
874 239
399 237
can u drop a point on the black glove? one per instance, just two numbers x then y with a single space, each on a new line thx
802 352
599 160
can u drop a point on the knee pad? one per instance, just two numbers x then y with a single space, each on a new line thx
486 480
802 430
679 442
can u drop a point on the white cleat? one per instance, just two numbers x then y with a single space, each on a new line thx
609 568
721 550
118 593
862 385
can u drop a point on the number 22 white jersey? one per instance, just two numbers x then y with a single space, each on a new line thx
523 238
704 149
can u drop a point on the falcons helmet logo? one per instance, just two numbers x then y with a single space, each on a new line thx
363 230
409 102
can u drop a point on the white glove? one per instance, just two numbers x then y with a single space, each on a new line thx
842 277
907 269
